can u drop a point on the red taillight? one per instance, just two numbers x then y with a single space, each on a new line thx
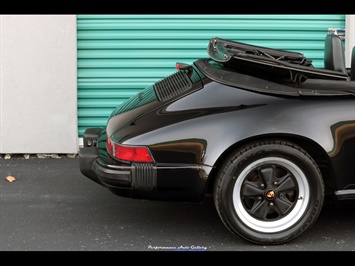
129 153
133 154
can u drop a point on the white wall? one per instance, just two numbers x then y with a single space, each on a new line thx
38 84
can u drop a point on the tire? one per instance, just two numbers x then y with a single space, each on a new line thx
269 192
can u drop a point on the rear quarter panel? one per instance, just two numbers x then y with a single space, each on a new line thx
200 127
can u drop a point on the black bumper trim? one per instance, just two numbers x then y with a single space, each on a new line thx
138 176
87 156
144 176
348 194
112 172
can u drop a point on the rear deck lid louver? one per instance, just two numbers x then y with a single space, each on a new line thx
172 86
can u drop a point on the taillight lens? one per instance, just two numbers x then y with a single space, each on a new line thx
129 153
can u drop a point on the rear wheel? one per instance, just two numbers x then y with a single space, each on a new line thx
269 192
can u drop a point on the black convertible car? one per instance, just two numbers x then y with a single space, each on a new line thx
262 130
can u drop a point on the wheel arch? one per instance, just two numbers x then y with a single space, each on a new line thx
318 154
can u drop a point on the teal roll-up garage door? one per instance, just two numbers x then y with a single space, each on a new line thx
119 55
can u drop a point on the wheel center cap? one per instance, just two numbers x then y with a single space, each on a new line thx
270 194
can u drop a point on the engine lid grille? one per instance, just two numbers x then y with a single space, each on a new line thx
172 86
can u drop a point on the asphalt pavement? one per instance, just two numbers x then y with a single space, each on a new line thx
51 206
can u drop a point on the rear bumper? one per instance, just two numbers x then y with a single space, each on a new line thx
93 167
97 170
143 180
87 156
136 176
116 174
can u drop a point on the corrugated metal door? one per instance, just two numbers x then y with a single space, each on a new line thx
119 55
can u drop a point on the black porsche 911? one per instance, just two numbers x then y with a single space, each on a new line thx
262 130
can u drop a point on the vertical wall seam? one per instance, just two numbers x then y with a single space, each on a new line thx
1 96
349 37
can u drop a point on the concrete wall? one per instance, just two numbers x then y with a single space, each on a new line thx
349 37
38 84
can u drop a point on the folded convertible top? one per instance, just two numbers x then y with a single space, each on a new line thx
309 87
267 63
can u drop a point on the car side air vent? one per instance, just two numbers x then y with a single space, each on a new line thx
172 86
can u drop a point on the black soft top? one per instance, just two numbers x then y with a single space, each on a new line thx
271 71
